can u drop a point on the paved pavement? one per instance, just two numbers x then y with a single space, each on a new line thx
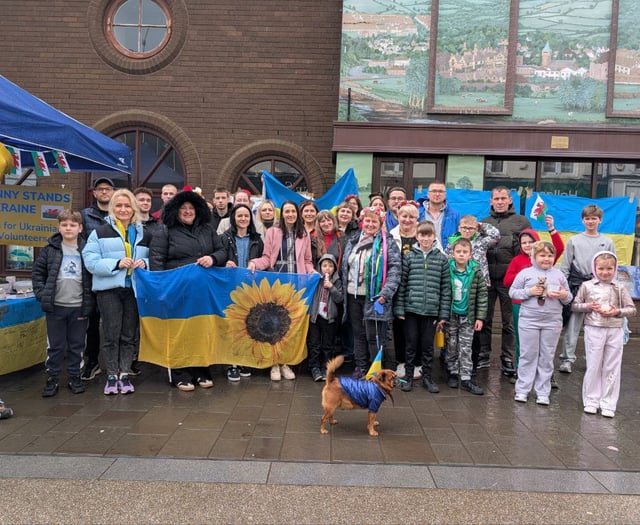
252 452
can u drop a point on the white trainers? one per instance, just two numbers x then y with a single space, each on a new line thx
520 398
590 410
417 372
400 373
275 373
542 400
607 413
565 367
287 373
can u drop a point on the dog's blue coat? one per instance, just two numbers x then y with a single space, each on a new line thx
363 393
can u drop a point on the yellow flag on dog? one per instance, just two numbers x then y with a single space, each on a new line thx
376 366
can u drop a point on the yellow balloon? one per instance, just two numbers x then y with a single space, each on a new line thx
6 160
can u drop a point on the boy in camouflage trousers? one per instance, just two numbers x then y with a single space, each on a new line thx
469 300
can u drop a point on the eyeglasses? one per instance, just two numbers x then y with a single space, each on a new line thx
103 190
436 191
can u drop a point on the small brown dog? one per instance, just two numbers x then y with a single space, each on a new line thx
346 393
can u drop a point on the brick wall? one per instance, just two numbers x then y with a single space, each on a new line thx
248 71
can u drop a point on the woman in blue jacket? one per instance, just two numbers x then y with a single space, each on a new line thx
113 251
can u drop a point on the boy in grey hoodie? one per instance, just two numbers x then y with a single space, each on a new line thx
324 314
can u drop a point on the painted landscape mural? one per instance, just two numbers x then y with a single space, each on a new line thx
560 61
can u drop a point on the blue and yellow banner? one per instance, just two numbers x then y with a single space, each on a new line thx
23 334
279 193
192 316
618 221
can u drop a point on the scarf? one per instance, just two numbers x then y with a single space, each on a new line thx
375 271
129 237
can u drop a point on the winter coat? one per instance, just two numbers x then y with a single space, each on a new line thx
273 247
45 274
216 217
478 300
388 290
103 252
499 255
335 293
92 217
228 240
178 244
611 293
425 285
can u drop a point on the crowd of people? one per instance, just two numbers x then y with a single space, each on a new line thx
396 265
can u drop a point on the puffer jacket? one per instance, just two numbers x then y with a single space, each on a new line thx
394 268
103 252
478 301
335 293
45 274
425 285
499 255
178 244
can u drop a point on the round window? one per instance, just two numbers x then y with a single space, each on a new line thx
138 28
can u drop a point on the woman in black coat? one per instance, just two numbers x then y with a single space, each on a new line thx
187 237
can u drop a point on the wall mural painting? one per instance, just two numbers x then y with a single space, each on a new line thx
557 61
562 61
385 57
472 71
623 98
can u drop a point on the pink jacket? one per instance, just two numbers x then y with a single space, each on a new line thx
273 246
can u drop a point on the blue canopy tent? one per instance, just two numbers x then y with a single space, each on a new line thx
30 124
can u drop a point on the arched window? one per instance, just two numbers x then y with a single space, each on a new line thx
138 28
284 170
155 160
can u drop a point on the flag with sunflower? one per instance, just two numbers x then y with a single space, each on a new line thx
195 316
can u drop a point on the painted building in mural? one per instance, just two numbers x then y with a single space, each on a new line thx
532 94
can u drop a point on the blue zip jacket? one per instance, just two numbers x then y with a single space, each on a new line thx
105 248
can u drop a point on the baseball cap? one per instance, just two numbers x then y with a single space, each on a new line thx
103 180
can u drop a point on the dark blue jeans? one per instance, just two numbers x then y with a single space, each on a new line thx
66 335
120 321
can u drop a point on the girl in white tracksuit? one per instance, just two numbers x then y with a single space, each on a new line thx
543 290
606 304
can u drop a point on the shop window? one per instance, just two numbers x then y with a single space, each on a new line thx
411 173
284 170
138 28
514 174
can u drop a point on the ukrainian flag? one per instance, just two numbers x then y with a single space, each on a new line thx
279 193
195 316
618 222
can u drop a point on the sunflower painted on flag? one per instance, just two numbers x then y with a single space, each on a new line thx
264 321
539 209
254 319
